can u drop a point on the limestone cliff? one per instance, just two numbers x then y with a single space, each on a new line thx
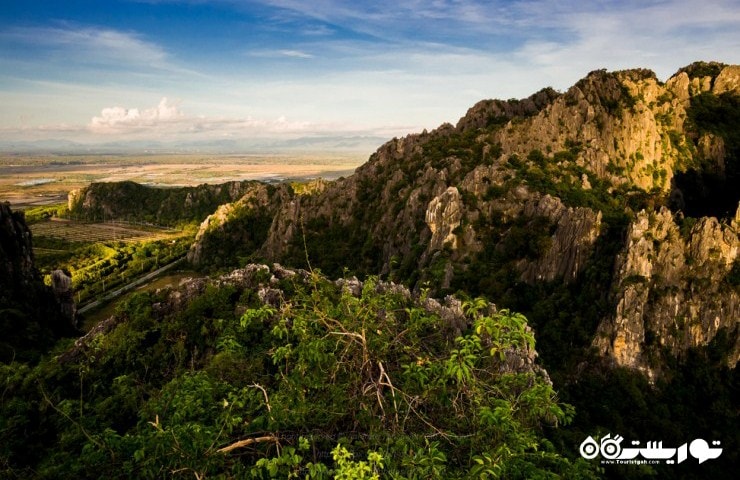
674 290
30 318
534 202
525 188
571 243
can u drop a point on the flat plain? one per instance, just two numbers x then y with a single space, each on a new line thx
72 231
30 180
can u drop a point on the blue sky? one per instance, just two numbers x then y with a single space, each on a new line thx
169 70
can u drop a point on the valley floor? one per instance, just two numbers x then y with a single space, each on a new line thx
42 180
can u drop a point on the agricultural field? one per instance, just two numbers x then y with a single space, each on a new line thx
27 180
102 256
73 231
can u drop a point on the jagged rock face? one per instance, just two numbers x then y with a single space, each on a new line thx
424 206
672 291
30 319
485 112
239 226
16 253
576 231
625 123
443 216
61 284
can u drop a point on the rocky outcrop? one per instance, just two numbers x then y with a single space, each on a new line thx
135 202
238 228
443 216
488 112
570 246
30 318
61 284
673 292
16 251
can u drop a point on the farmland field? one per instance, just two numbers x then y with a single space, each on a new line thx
103 256
41 180
72 231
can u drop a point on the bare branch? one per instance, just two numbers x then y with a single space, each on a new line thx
247 442
264 392
387 383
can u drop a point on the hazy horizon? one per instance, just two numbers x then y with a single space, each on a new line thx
233 76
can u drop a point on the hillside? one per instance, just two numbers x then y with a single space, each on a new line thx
607 214
164 206
277 373
603 187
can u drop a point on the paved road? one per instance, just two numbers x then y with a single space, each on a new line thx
128 287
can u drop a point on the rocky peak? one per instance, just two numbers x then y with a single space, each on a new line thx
490 112
443 216
531 189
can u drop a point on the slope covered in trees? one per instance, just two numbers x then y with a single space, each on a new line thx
593 212
278 374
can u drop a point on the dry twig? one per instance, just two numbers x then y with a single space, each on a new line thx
247 442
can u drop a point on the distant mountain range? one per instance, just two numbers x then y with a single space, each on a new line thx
328 143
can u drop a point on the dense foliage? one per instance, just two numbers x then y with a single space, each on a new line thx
319 384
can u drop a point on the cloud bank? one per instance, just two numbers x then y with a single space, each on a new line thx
119 119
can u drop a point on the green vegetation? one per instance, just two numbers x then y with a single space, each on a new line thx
234 241
96 261
710 189
696 398
703 69
38 214
561 177
131 201
323 384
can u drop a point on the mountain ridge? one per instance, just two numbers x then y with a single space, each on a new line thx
529 192
606 214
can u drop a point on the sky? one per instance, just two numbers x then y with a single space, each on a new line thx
241 71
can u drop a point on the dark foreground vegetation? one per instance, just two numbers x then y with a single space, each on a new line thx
316 383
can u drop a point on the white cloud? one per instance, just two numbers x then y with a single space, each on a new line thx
289 53
295 54
114 119
167 120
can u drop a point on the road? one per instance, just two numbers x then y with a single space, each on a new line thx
128 287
